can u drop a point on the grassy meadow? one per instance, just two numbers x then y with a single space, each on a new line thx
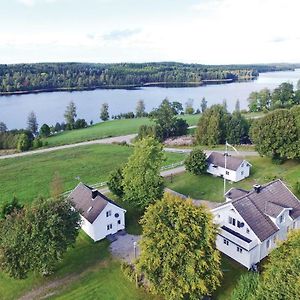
106 129
88 271
210 188
28 177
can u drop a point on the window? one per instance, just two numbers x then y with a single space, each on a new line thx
242 173
242 164
239 249
240 224
226 242
109 226
294 225
119 221
281 219
247 230
227 172
288 229
108 213
268 243
231 221
274 239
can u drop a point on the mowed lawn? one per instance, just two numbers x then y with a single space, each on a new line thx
107 129
207 187
93 272
29 177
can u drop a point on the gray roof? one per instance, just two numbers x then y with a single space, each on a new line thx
90 208
235 193
256 208
218 159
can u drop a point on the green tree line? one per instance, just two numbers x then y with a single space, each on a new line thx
76 76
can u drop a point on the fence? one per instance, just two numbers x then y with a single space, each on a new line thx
104 183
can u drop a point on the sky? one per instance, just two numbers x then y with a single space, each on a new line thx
191 31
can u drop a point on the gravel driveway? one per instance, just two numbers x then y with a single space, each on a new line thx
123 247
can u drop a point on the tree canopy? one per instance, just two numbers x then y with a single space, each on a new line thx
196 162
36 238
78 76
70 115
142 181
178 255
104 115
276 135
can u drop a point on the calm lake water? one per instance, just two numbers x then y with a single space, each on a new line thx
50 107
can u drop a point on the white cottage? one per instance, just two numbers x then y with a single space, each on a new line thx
252 221
100 216
236 168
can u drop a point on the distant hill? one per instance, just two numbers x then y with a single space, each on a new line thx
27 78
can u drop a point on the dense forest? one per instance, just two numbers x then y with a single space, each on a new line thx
76 76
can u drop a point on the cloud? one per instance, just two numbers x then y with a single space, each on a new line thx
117 35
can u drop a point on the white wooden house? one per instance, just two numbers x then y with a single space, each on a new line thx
236 168
251 222
100 216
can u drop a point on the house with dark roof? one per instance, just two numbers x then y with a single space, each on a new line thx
100 216
231 167
251 222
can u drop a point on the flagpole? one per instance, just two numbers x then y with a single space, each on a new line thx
225 154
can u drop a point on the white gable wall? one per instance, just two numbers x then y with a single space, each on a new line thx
98 229
245 253
242 172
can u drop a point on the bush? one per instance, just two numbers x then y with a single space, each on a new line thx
115 182
196 162
23 142
245 287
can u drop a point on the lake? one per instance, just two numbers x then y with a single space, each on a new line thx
50 107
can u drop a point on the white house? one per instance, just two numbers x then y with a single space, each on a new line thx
236 168
252 221
100 216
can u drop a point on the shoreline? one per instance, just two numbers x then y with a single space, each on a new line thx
128 87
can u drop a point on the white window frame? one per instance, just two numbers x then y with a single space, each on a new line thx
108 213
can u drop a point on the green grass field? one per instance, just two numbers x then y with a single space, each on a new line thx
106 129
210 188
30 176
98 276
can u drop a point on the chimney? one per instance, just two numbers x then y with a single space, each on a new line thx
257 188
94 193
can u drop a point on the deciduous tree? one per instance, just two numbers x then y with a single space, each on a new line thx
36 238
276 135
44 130
115 182
246 287
196 162
281 276
70 115
140 109
104 115
178 255
142 181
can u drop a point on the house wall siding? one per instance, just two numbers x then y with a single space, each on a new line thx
239 174
98 229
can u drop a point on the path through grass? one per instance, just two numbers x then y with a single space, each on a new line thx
106 129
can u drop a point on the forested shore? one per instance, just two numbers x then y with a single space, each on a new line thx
50 77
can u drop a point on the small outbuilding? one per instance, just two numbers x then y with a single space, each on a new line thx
100 216
233 169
